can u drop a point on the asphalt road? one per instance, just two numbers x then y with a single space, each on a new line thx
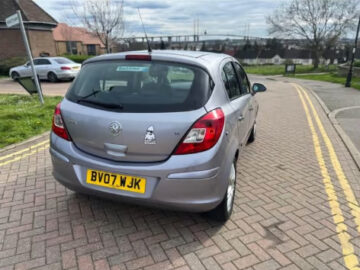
296 207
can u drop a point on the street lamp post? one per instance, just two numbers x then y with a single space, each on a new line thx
349 76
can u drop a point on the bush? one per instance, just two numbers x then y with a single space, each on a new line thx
357 64
78 58
6 64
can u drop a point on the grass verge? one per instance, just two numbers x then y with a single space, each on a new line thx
280 69
330 77
22 117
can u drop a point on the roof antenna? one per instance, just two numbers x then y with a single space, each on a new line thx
147 40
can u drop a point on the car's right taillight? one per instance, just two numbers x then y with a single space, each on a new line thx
204 133
65 68
58 124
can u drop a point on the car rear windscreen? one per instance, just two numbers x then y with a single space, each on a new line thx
141 86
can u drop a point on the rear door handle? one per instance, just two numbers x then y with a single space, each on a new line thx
251 108
241 118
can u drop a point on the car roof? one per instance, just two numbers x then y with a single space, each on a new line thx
206 60
48 57
185 53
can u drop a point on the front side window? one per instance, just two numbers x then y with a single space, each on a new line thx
230 81
141 86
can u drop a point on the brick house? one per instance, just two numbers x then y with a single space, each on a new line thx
76 40
38 24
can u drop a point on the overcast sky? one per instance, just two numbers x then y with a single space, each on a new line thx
163 17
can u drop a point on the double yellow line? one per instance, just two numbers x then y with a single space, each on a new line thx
24 153
350 258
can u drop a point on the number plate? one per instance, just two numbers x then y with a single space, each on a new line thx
116 181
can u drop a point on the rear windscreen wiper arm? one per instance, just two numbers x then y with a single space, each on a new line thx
93 93
105 105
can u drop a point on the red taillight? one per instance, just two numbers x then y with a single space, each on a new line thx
65 68
204 134
58 124
144 57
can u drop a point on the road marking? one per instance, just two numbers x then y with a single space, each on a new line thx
349 194
24 155
350 259
24 150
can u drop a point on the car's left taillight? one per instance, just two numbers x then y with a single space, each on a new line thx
204 133
58 126
65 68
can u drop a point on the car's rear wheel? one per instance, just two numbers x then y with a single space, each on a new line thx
52 77
223 211
15 76
252 136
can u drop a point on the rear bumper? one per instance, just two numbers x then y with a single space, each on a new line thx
67 74
195 183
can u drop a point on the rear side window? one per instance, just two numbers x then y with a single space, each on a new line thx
141 86
62 61
244 82
230 80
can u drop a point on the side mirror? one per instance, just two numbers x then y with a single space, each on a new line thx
258 87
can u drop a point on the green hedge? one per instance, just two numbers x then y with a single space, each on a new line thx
357 64
6 64
77 58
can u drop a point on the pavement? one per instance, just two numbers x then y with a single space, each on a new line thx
349 120
296 206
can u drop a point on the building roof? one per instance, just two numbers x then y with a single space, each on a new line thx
64 32
30 11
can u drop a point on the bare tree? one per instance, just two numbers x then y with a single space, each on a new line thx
320 22
105 18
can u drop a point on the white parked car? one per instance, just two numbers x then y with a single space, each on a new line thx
48 68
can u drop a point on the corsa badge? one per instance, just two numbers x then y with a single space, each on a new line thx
150 136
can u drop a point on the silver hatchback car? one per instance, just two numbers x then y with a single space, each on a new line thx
162 129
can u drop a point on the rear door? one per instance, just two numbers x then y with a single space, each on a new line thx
238 101
134 111
246 92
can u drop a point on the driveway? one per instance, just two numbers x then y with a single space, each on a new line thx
296 207
8 86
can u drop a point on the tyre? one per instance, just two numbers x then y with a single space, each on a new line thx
15 76
252 134
52 77
223 211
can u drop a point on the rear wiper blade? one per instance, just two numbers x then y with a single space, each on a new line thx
105 105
